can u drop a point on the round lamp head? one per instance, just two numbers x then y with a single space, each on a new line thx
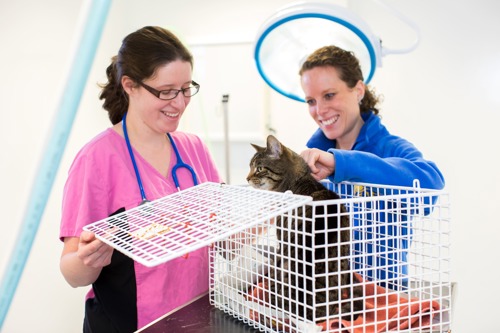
294 32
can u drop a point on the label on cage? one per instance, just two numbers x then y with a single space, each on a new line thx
152 230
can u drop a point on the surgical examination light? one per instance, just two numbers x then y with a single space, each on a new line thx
296 30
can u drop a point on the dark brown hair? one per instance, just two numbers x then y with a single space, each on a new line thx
349 70
140 54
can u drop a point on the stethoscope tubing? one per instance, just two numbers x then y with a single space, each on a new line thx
131 153
180 163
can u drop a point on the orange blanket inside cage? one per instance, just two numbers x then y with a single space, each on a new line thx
384 311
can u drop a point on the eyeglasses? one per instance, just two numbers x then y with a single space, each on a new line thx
172 93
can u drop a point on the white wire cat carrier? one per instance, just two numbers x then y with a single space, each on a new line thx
394 276
396 272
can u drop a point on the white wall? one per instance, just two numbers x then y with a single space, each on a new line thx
443 97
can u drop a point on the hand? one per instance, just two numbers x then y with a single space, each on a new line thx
93 252
321 163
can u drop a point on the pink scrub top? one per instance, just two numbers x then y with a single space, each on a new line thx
101 180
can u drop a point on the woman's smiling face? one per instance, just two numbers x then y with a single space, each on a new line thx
166 114
333 105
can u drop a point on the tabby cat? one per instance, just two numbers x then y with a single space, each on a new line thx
278 168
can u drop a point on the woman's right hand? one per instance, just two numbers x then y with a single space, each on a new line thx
93 252
321 163
83 258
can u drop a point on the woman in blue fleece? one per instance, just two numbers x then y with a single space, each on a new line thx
352 145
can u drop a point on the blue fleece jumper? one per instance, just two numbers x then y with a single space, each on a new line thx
378 157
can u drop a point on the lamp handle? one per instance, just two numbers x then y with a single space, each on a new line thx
410 23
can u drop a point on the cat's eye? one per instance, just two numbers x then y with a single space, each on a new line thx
259 169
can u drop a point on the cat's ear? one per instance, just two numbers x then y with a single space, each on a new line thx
274 147
258 148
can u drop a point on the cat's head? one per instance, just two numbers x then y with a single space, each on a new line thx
275 166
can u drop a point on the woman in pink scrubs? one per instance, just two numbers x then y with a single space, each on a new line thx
149 87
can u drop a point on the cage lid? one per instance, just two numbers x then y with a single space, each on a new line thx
175 225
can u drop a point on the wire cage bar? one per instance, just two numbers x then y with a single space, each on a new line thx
307 270
173 226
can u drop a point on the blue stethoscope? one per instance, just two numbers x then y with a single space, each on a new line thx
180 163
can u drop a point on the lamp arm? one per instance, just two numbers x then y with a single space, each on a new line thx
407 21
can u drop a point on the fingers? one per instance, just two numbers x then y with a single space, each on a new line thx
99 258
87 236
92 251
317 176
321 163
310 156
